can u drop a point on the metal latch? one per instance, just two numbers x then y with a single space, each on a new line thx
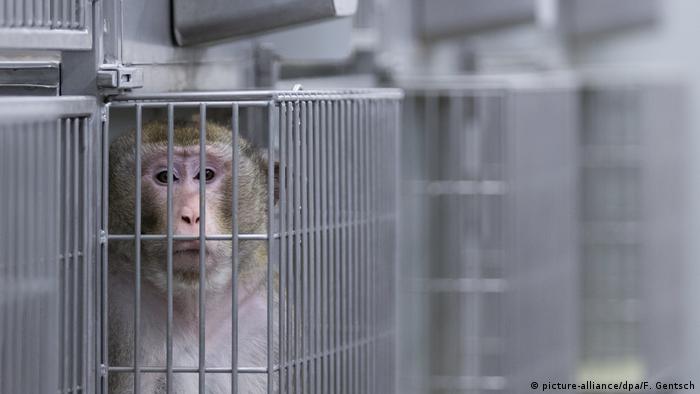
114 76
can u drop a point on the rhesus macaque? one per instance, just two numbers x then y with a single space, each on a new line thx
251 294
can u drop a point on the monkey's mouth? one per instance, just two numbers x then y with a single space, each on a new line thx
187 248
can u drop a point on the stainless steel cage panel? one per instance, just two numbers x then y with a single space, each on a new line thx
209 20
47 244
330 241
489 167
365 17
366 24
632 246
46 24
580 17
441 18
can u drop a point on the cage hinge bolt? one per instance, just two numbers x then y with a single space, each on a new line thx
103 370
103 237
116 76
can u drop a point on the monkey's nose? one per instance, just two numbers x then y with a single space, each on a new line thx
189 216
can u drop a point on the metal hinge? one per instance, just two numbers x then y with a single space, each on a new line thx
116 76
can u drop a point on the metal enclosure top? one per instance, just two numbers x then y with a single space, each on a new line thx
211 20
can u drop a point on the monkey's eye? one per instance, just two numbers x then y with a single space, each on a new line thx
162 177
208 175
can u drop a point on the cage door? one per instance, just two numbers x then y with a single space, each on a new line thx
47 170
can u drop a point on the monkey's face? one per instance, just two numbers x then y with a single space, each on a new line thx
187 215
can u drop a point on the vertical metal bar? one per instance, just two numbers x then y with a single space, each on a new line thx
23 296
297 245
480 216
346 251
65 290
64 13
362 245
291 111
47 13
304 263
331 225
202 243
6 250
28 13
371 173
74 125
169 257
355 248
323 200
284 235
11 256
316 205
398 225
137 251
38 13
270 241
341 251
21 249
105 256
313 271
335 286
18 15
234 248
343 224
83 11
375 213
87 251
34 318
10 13
24 226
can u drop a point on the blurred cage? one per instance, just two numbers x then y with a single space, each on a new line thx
48 160
331 237
489 239
367 35
632 140
365 16
45 24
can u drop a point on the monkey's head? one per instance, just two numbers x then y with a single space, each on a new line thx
186 215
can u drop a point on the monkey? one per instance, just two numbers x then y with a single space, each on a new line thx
252 217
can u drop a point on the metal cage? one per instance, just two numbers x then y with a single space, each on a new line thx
632 227
492 248
330 239
47 244
46 24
